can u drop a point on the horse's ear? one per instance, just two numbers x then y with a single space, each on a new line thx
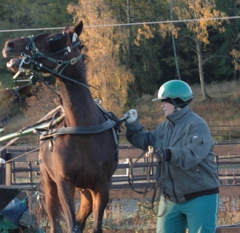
78 28
66 28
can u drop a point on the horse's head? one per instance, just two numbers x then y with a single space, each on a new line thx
45 51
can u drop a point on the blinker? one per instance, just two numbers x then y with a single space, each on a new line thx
56 43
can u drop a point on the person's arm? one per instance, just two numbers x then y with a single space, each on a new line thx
135 132
200 145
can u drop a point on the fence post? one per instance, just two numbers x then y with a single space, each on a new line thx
2 167
130 162
8 180
217 160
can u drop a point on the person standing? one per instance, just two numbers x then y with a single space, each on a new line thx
183 142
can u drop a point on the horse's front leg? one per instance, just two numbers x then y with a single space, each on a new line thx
85 208
66 195
100 200
52 204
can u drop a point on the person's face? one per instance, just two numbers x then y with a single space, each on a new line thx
167 108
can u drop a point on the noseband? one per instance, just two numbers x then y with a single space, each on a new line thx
56 48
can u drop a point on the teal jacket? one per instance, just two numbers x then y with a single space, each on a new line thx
192 171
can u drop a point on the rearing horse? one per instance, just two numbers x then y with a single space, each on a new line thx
82 151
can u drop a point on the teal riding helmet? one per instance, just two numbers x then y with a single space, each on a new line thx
176 92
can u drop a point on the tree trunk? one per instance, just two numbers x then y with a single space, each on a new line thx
200 68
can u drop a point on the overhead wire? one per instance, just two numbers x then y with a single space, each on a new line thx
127 24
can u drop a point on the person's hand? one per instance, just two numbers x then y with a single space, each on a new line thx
131 116
162 154
2 161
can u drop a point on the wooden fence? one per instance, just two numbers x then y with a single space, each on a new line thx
228 132
22 173
24 167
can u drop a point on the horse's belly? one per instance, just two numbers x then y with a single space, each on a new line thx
83 170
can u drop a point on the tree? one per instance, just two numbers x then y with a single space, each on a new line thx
102 45
145 48
217 56
232 40
198 13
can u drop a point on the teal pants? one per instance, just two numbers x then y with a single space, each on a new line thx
199 215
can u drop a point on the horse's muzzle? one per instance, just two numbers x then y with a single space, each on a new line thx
13 64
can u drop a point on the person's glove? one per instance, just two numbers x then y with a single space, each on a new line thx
162 154
2 161
131 116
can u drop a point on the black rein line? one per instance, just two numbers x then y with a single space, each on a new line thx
149 186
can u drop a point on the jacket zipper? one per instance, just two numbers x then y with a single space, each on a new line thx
170 175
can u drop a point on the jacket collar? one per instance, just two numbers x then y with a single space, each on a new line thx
178 116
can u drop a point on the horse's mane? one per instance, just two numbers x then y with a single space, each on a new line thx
86 59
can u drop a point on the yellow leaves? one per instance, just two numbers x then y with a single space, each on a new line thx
102 46
169 29
235 54
147 32
202 12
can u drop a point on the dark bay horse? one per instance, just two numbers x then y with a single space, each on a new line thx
82 154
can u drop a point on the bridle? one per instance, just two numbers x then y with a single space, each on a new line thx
36 54
33 60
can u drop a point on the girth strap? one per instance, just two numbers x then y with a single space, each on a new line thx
86 129
80 130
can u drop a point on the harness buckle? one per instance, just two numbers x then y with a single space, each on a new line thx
59 64
73 61
36 50
69 49
150 151
26 60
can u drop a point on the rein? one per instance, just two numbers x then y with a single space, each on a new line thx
154 186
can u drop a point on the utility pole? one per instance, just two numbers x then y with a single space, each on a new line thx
174 46
129 34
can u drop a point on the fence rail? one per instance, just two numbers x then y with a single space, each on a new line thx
223 132
229 132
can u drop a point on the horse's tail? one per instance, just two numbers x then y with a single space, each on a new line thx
35 214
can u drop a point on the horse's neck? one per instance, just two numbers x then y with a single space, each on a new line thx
79 107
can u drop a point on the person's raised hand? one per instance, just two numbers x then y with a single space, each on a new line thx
131 116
